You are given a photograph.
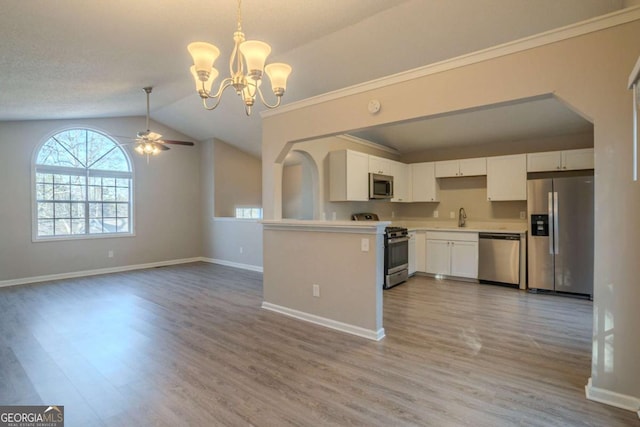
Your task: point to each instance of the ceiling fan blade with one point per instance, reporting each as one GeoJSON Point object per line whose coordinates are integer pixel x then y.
{"type": "Point", "coordinates": [171, 141]}
{"type": "Point", "coordinates": [162, 147]}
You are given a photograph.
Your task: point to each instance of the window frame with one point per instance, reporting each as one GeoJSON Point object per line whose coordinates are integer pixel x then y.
{"type": "Point", "coordinates": [87, 173]}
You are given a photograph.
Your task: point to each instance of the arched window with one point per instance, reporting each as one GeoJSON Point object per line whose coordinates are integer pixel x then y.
{"type": "Point", "coordinates": [83, 186]}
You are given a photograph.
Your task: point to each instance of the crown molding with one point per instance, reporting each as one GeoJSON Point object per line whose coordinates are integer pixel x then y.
{"type": "Point", "coordinates": [552, 36]}
{"type": "Point", "coordinates": [367, 143]}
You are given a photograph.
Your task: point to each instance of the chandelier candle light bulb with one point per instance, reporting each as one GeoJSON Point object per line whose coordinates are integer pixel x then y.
{"type": "Point", "coordinates": [250, 53]}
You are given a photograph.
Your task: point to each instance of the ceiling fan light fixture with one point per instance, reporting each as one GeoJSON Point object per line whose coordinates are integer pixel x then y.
{"type": "Point", "coordinates": [246, 67]}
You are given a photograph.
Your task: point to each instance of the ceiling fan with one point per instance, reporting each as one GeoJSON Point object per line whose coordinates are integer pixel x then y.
{"type": "Point", "coordinates": [151, 143]}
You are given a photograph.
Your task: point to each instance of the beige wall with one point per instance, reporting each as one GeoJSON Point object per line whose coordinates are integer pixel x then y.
{"type": "Point", "coordinates": [350, 280]}
{"type": "Point", "coordinates": [237, 177]}
{"type": "Point", "coordinates": [469, 193]}
{"type": "Point", "coordinates": [560, 142]}
{"type": "Point", "coordinates": [590, 73]}
{"type": "Point", "coordinates": [166, 205]}
{"type": "Point", "coordinates": [227, 240]}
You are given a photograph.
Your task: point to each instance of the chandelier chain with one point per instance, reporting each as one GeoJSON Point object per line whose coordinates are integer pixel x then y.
{"type": "Point", "coordinates": [239, 15]}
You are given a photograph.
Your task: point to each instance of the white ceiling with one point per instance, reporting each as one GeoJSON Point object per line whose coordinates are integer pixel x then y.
{"type": "Point", "coordinates": [79, 59]}
{"type": "Point", "coordinates": [532, 118]}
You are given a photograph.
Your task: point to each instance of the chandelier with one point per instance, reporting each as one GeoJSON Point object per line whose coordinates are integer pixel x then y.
{"type": "Point", "coordinates": [246, 67]}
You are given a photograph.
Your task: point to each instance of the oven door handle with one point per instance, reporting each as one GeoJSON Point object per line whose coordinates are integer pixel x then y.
{"type": "Point", "coordinates": [395, 240]}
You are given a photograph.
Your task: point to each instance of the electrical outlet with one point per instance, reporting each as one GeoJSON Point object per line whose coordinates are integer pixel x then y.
{"type": "Point", "coordinates": [241, 250]}
{"type": "Point", "coordinates": [393, 214]}
{"type": "Point", "coordinates": [364, 245]}
{"type": "Point", "coordinates": [316, 290]}
{"type": "Point", "coordinates": [110, 254]}
{"type": "Point", "coordinates": [523, 215]}
{"type": "Point", "coordinates": [452, 214]}
{"type": "Point", "coordinates": [333, 216]}
{"type": "Point", "coordinates": [435, 214]}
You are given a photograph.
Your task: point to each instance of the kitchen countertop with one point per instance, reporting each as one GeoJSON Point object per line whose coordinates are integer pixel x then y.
{"type": "Point", "coordinates": [474, 227]}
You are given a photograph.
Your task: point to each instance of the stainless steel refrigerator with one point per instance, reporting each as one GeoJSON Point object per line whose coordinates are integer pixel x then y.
{"type": "Point", "coordinates": [560, 244]}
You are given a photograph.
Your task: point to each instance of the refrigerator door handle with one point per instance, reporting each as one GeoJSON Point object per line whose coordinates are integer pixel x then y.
{"type": "Point", "coordinates": [556, 233]}
{"type": "Point", "coordinates": [551, 221]}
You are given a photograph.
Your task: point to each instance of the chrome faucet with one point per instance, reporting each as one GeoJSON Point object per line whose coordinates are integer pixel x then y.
{"type": "Point", "coordinates": [462, 218]}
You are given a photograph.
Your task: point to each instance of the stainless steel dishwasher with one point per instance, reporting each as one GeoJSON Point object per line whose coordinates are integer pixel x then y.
{"type": "Point", "coordinates": [499, 258]}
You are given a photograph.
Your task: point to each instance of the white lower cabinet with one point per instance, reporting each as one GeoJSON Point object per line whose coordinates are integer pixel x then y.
{"type": "Point", "coordinates": [452, 254]}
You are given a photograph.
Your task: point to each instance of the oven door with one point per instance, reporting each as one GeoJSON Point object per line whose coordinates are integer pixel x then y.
{"type": "Point", "coordinates": [396, 255]}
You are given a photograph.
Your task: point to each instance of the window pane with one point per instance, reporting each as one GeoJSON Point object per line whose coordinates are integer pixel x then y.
{"type": "Point", "coordinates": [78, 180]}
{"type": "Point", "coordinates": [111, 182]}
{"type": "Point", "coordinates": [45, 227]}
{"type": "Point", "coordinates": [95, 226]}
{"type": "Point", "coordinates": [95, 193]}
{"type": "Point", "coordinates": [77, 210]}
{"type": "Point", "coordinates": [77, 226]}
{"type": "Point", "coordinates": [123, 210]}
{"type": "Point", "coordinates": [122, 194]}
{"type": "Point", "coordinates": [62, 226]}
{"type": "Point", "coordinates": [61, 179]}
{"type": "Point", "coordinates": [77, 192]}
{"type": "Point", "coordinates": [95, 210]}
{"type": "Point", "coordinates": [109, 225]}
{"type": "Point", "coordinates": [123, 225]}
{"type": "Point", "coordinates": [45, 210]}
{"type": "Point", "coordinates": [122, 182]}
{"type": "Point", "coordinates": [63, 210]}
{"type": "Point", "coordinates": [44, 192]}
{"type": "Point", "coordinates": [61, 192]}
{"type": "Point", "coordinates": [54, 153]}
{"type": "Point", "coordinates": [114, 161]}
{"type": "Point", "coordinates": [44, 177]}
{"type": "Point", "coordinates": [109, 210]}
{"type": "Point", "coordinates": [109, 194]}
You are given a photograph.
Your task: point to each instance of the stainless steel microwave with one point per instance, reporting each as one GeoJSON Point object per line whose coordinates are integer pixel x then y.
{"type": "Point", "coordinates": [380, 186]}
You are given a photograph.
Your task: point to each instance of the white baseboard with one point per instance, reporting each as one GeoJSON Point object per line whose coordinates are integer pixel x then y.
{"type": "Point", "coordinates": [328, 323]}
{"type": "Point", "coordinates": [612, 398]}
{"type": "Point", "coordinates": [84, 273]}
{"type": "Point", "coordinates": [251, 267]}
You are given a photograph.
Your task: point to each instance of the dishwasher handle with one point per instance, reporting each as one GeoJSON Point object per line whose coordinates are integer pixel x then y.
{"type": "Point", "coordinates": [499, 236]}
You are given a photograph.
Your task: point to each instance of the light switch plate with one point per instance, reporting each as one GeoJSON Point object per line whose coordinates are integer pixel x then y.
{"type": "Point", "coordinates": [452, 214]}
{"type": "Point", "coordinates": [364, 245]}
{"type": "Point", "coordinates": [435, 214]}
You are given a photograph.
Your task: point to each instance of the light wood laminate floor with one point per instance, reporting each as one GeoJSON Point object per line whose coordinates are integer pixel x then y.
{"type": "Point", "coordinates": [189, 345]}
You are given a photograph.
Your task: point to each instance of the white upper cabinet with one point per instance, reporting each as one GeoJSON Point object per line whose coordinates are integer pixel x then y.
{"type": "Point", "coordinates": [401, 182]}
{"type": "Point", "coordinates": [348, 176]}
{"type": "Point", "coordinates": [462, 167]}
{"type": "Point", "coordinates": [424, 185]}
{"type": "Point", "coordinates": [380, 165]}
{"type": "Point", "coordinates": [507, 178]}
{"type": "Point", "coordinates": [560, 160]}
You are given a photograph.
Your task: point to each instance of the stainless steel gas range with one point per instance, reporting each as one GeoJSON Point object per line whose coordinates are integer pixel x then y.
{"type": "Point", "coordinates": [396, 251]}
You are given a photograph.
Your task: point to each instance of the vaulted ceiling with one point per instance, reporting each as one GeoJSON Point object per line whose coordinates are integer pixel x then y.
{"type": "Point", "coordinates": [73, 59]}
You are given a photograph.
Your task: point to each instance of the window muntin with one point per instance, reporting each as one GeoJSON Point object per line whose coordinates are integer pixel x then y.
{"type": "Point", "coordinates": [83, 186]}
